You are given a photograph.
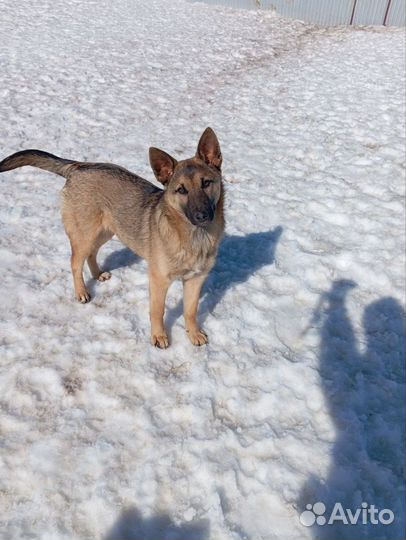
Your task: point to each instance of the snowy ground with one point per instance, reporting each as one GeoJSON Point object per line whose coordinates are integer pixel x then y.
{"type": "Point", "coordinates": [299, 396]}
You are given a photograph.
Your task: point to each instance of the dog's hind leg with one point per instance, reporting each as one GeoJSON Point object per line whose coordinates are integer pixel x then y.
{"type": "Point", "coordinates": [79, 255]}
{"type": "Point", "coordinates": [102, 238]}
{"type": "Point", "coordinates": [83, 230]}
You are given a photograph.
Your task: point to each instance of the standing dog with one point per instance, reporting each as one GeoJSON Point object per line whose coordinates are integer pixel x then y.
{"type": "Point", "coordinates": [177, 229]}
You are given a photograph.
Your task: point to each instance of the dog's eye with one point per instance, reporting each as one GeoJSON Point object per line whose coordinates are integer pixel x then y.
{"type": "Point", "coordinates": [206, 183]}
{"type": "Point", "coordinates": [182, 190]}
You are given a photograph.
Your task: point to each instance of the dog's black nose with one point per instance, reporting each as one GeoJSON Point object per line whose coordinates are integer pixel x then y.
{"type": "Point", "coordinates": [201, 216]}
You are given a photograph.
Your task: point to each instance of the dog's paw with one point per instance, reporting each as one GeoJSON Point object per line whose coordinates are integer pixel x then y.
{"type": "Point", "coordinates": [83, 297]}
{"type": "Point", "coordinates": [160, 341]}
{"type": "Point", "coordinates": [198, 337]}
{"type": "Point", "coordinates": [104, 276]}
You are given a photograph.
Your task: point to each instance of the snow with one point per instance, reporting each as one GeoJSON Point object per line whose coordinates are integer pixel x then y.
{"type": "Point", "coordinates": [299, 396]}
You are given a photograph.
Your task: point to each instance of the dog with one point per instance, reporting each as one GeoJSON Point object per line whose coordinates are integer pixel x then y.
{"type": "Point", "coordinates": [177, 229]}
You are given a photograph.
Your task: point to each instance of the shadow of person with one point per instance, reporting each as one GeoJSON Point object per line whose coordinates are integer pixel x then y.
{"type": "Point", "coordinates": [365, 394]}
{"type": "Point", "coordinates": [239, 258]}
{"type": "Point", "coordinates": [132, 526]}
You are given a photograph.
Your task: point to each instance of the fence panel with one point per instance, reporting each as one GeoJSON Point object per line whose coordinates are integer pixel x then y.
{"type": "Point", "coordinates": [370, 12]}
{"type": "Point", "coordinates": [326, 12]}
{"type": "Point", "coordinates": [396, 13]}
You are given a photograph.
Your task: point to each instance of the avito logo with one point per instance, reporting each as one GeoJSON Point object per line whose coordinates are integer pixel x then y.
{"type": "Point", "coordinates": [315, 513]}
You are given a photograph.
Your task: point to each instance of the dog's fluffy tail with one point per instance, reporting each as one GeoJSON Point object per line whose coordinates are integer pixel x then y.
{"type": "Point", "coordinates": [37, 158]}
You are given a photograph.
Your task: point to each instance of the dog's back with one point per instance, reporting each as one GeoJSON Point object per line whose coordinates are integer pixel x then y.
{"type": "Point", "coordinates": [111, 198]}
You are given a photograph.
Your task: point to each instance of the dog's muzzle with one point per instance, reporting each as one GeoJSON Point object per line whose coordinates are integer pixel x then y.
{"type": "Point", "coordinates": [203, 217]}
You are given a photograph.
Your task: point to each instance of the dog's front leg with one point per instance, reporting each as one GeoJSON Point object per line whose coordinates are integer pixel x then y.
{"type": "Point", "coordinates": [191, 294]}
{"type": "Point", "coordinates": [158, 287]}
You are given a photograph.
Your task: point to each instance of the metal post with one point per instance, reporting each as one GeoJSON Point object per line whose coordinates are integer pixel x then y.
{"type": "Point", "coordinates": [353, 11]}
{"type": "Point", "coordinates": [387, 12]}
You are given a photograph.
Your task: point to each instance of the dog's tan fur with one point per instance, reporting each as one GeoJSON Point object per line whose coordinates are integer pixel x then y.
{"type": "Point", "coordinates": [102, 200]}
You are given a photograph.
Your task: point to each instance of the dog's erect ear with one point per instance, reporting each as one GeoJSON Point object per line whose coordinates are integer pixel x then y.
{"type": "Point", "coordinates": [208, 149]}
{"type": "Point", "coordinates": [162, 164]}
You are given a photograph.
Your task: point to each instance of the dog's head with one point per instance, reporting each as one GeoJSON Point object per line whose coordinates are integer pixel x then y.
{"type": "Point", "coordinates": [192, 186]}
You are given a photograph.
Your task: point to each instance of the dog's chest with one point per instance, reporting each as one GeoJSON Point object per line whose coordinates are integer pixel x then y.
{"type": "Point", "coordinates": [189, 273]}
{"type": "Point", "coordinates": [193, 260]}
